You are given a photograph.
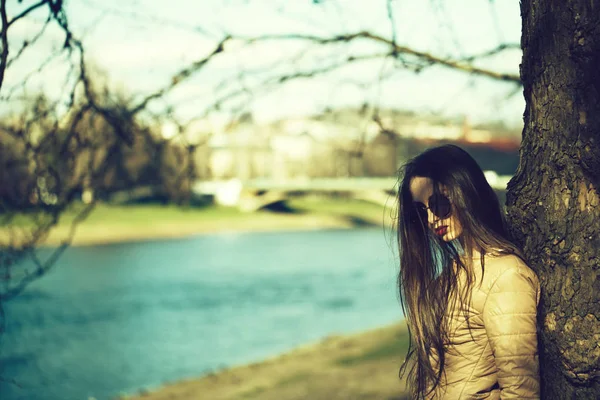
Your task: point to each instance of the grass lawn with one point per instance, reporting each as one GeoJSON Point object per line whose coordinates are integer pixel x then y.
{"type": "Point", "coordinates": [112, 223]}
{"type": "Point", "coordinates": [372, 213]}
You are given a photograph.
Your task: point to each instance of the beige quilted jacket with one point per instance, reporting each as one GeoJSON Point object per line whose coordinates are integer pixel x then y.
{"type": "Point", "coordinates": [500, 359]}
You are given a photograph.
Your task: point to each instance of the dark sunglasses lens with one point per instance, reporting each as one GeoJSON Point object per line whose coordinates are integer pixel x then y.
{"type": "Point", "coordinates": [440, 205]}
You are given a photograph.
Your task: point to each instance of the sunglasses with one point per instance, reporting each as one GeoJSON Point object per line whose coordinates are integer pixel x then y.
{"type": "Point", "coordinates": [439, 205]}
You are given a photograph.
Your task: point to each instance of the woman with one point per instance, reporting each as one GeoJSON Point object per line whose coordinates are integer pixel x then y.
{"type": "Point", "coordinates": [469, 298]}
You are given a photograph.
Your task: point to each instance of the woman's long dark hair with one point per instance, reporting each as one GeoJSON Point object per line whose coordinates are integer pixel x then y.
{"type": "Point", "coordinates": [430, 268]}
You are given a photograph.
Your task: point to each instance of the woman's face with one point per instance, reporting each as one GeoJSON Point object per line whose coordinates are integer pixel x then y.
{"type": "Point", "coordinates": [446, 227]}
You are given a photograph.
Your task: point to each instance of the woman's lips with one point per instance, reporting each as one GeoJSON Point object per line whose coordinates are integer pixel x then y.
{"type": "Point", "coordinates": [441, 231]}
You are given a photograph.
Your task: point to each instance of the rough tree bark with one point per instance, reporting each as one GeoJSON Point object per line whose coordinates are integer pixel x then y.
{"type": "Point", "coordinates": [553, 200]}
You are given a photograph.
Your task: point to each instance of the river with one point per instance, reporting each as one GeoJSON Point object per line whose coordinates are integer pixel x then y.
{"type": "Point", "coordinates": [115, 319]}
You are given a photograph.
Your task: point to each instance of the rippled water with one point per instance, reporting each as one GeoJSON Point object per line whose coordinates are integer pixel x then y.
{"type": "Point", "coordinates": [118, 318]}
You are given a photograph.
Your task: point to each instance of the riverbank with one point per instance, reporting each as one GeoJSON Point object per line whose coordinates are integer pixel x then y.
{"type": "Point", "coordinates": [114, 224]}
{"type": "Point", "coordinates": [363, 366]}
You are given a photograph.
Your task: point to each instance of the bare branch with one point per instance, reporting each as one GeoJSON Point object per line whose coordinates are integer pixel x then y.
{"type": "Point", "coordinates": [48, 148]}
{"type": "Point", "coordinates": [11, 89]}
{"type": "Point", "coordinates": [42, 268]}
{"type": "Point", "coordinates": [390, 14]}
{"type": "Point", "coordinates": [28, 43]}
{"type": "Point", "coordinates": [329, 68]}
{"type": "Point", "coordinates": [182, 75]}
{"type": "Point", "coordinates": [26, 12]}
{"type": "Point", "coordinates": [274, 81]}
{"type": "Point", "coordinates": [146, 17]}
{"type": "Point", "coordinates": [4, 34]}
{"type": "Point", "coordinates": [497, 50]}
{"type": "Point", "coordinates": [427, 58]}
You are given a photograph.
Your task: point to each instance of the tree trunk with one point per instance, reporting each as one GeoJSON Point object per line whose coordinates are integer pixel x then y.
{"type": "Point", "coordinates": [553, 200]}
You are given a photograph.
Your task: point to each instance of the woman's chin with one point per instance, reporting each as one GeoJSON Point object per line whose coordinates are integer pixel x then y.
{"type": "Point", "coordinates": [449, 236]}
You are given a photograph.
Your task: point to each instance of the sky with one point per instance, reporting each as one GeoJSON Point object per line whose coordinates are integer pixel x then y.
{"type": "Point", "coordinates": [138, 46]}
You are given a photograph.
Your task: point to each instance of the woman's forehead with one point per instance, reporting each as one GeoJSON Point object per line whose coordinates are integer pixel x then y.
{"type": "Point", "coordinates": [421, 189]}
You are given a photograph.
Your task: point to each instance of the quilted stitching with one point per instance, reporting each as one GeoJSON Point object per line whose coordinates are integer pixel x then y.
{"type": "Point", "coordinates": [505, 348]}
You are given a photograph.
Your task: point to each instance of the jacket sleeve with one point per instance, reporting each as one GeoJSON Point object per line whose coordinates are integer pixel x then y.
{"type": "Point", "coordinates": [509, 317]}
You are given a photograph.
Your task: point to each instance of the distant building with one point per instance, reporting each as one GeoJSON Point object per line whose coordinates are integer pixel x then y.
{"type": "Point", "coordinates": [342, 142]}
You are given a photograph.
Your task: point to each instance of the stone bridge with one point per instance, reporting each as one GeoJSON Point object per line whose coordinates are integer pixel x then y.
{"type": "Point", "coordinates": [252, 195]}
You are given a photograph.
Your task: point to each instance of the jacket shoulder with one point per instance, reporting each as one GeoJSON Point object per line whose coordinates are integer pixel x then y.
{"type": "Point", "coordinates": [504, 268]}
